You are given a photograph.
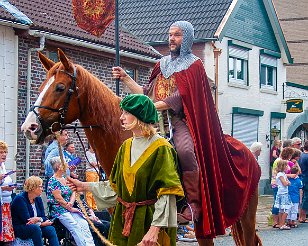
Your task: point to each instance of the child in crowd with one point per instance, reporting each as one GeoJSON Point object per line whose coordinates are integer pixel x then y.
{"type": "Point", "coordinates": [282, 201]}
{"type": "Point", "coordinates": [295, 192]}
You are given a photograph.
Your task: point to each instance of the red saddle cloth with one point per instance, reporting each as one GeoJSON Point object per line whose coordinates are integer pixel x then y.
{"type": "Point", "coordinates": [229, 172]}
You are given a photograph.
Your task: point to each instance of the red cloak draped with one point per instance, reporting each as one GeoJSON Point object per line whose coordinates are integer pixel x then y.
{"type": "Point", "coordinates": [229, 173]}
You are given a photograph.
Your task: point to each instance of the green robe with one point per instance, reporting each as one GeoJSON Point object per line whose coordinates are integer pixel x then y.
{"type": "Point", "coordinates": [153, 174]}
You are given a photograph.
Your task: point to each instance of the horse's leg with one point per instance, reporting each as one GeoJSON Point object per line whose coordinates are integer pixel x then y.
{"type": "Point", "coordinates": [205, 242]}
{"type": "Point", "coordinates": [244, 230]}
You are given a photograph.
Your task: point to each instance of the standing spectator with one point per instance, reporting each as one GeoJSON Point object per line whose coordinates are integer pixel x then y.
{"type": "Point", "coordinates": [92, 168]}
{"type": "Point", "coordinates": [303, 162]}
{"type": "Point", "coordinates": [60, 199]}
{"type": "Point", "coordinates": [69, 154]}
{"type": "Point", "coordinates": [7, 232]}
{"type": "Point", "coordinates": [295, 192]}
{"type": "Point", "coordinates": [296, 143]}
{"type": "Point", "coordinates": [275, 151]}
{"type": "Point", "coordinates": [28, 215]}
{"type": "Point", "coordinates": [255, 149]}
{"type": "Point", "coordinates": [287, 143]}
{"type": "Point", "coordinates": [69, 151]}
{"type": "Point", "coordinates": [282, 201]}
{"type": "Point", "coordinates": [286, 155]}
{"type": "Point", "coordinates": [52, 151]}
{"type": "Point", "coordinates": [295, 158]}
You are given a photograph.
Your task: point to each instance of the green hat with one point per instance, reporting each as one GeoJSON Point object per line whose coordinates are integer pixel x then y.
{"type": "Point", "coordinates": [140, 106]}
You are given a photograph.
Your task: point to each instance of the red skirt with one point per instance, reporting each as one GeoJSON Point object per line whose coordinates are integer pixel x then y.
{"type": "Point", "coordinates": [7, 234]}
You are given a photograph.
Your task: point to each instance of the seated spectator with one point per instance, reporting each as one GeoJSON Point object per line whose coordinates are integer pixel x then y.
{"type": "Point", "coordinates": [60, 199]}
{"type": "Point", "coordinates": [101, 224]}
{"type": "Point", "coordinates": [7, 232]}
{"type": "Point", "coordinates": [28, 216]}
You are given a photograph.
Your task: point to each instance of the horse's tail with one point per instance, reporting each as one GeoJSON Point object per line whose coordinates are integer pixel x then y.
{"type": "Point", "coordinates": [238, 236]}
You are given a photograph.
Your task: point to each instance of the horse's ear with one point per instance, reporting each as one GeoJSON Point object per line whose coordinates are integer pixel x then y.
{"type": "Point", "coordinates": [46, 62]}
{"type": "Point", "coordinates": [64, 60]}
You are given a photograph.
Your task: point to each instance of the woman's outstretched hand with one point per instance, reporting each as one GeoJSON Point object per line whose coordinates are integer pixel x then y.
{"type": "Point", "coordinates": [150, 239]}
{"type": "Point", "coordinates": [76, 185]}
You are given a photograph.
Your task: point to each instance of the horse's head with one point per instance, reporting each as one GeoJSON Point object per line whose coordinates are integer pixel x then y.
{"type": "Point", "coordinates": [57, 103]}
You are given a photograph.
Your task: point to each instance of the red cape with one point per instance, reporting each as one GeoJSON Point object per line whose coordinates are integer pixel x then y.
{"type": "Point", "coordinates": [229, 172]}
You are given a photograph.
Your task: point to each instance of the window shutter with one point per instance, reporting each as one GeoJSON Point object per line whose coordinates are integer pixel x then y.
{"type": "Point", "coordinates": [268, 60]}
{"type": "Point", "coordinates": [237, 52]}
{"type": "Point", "coordinates": [245, 128]}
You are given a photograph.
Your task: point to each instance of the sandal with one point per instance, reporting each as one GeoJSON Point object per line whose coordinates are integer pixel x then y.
{"type": "Point", "coordinates": [276, 226]}
{"type": "Point", "coordinates": [303, 221]}
{"type": "Point", "coordinates": [284, 227]}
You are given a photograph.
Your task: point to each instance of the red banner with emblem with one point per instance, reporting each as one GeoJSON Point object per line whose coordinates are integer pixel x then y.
{"type": "Point", "coordinates": [94, 16]}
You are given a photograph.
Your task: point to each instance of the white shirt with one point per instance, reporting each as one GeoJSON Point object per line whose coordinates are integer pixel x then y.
{"type": "Point", "coordinates": [5, 195]}
{"type": "Point", "coordinates": [281, 188]}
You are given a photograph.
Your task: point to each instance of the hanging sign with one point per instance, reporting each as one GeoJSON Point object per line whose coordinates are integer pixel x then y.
{"type": "Point", "coordinates": [294, 105]}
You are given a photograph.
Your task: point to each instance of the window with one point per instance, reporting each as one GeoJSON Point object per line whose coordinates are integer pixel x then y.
{"type": "Point", "coordinates": [268, 72]}
{"type": "Point", "coordinates": [131, 72]}
{"type": "Point", "coordinates": [238, 65]}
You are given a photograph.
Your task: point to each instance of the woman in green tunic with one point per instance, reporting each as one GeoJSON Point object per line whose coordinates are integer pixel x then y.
{"type": "Point", "coordinates": [143, 184]}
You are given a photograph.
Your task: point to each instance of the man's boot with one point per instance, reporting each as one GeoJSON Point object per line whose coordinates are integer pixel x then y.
{"type": "Point", "coordinates": [191, 212]}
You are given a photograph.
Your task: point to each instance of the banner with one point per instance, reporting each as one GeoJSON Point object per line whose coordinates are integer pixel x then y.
{"type": "Point", "coordinates": [94, 16]}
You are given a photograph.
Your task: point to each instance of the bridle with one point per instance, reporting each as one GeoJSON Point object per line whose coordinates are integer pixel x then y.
{"type": "Point", "coordinates": [63, 110]}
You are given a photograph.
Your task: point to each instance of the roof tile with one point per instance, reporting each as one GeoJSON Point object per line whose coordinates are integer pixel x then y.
{"type": "Point", "coordinates": [56, 16]}
{"type": "Point", "coordinates": [150, 19]}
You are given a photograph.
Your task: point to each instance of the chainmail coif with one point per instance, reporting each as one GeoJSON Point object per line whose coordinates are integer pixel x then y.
{"type": "Point", "coordinates": [168, 66]}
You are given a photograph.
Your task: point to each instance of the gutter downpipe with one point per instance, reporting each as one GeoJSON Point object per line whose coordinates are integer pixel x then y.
{"type": "Point", "coordinates": [29, 80]}
{"type": "Point", "coordinates": [217, 52]}
{"type": "Point", "coordinates": [89, 45]}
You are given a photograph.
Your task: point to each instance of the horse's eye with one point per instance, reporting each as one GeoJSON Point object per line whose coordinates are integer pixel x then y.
{"type": "Point", "coordinates": [60, 87]}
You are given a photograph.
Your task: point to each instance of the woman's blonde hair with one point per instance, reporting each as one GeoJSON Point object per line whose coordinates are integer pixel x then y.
{"type": "Point", "coordinates": [3, 146]}
{"type": "Point", "coordinates": [281, 165]}
{"type": "Point", "coordinates": [147, 129]}
{"type": "Point", "coordinates": [32, 183]}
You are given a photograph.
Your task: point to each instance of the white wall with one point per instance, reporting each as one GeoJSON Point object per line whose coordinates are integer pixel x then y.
{"type": "Point", "coordinates": [247, 97]}
{"type": "Point", "coordinates": [8, 91]}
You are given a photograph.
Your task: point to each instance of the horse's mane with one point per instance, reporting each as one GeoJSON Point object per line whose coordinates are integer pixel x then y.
{"type": "Point", "coordinates": [102, 102]}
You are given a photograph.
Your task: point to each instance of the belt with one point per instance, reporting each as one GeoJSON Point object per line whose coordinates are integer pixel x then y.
{"type": "Point", "coordinates": [129, 212]}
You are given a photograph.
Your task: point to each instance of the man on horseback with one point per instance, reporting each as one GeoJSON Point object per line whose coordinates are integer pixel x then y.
{"type": "Point", "coordinates": [180, 90]}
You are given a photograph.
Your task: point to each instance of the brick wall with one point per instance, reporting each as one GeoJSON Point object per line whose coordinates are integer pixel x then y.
{"type": "Point", "coordinates": [95, 62]}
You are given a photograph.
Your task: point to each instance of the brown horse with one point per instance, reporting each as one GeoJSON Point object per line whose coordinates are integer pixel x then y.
{"type": "Point", "coordinates": [69, 93]}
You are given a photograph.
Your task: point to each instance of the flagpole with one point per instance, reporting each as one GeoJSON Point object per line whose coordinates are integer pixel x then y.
{"type": "Point", "coordinates": [117, 45]}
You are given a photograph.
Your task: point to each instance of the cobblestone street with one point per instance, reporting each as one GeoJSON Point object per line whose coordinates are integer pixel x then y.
{"type": "Point", "coordinates": [264, 209]}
